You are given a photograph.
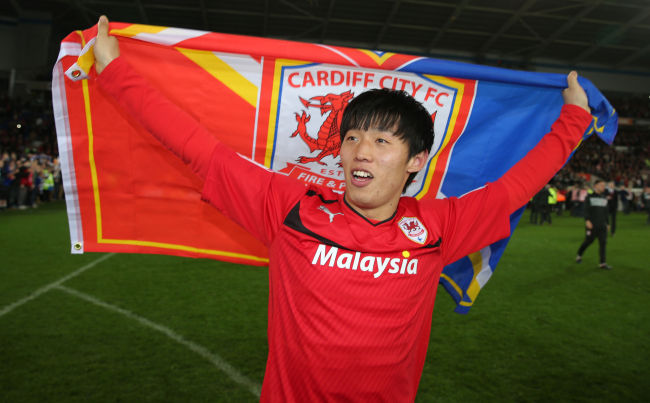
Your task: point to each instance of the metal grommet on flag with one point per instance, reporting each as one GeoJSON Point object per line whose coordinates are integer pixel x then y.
{"type": "Point", "coordinates": [81, 68]}
{"type": "Point", "coordinates": [76, 73]}
{"type": "Point", "coordinates": [77, 248]}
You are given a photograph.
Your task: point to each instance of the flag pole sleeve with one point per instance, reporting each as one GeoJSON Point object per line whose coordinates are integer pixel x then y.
{"type": "Point", "coordinates": [541, 163]}
{"type": "Point", "coordinates": [172, 126]}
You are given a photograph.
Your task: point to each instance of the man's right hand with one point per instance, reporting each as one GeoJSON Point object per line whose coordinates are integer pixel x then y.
{"type": "Point", "coordinates": [588, 224]}
{"type": "Point", "coordinates": [106, 48]}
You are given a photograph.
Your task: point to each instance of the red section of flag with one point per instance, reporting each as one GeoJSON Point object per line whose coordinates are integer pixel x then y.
{"type": "Point", "coordinates": [145, 199]}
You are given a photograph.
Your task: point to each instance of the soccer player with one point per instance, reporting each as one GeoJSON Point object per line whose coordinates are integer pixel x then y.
{"type": "Point", "coordinates": [596, 223]}
{"type": "Point", "coordinates": [352, 276]}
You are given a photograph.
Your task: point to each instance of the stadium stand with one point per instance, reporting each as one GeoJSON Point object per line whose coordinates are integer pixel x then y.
{"type": "Point", "coordinates": [626, 162]}
{"type": "Point", "coordinates": [29, 170]}
{"type": "Point", "coordinates": [30, 173]}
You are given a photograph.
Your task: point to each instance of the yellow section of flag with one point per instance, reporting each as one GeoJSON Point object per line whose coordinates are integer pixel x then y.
{"type": "Point", "coordinates": [134, 29]}
{"type": "Point", "coordinates": [378, 59]}
{"type": "Point", "coordinates": [224, 73]}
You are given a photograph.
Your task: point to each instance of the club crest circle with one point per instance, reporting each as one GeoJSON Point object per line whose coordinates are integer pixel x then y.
{"type": "Point", "coordinates": [413, 229]}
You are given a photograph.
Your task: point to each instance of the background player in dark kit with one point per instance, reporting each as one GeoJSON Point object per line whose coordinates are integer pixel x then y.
{"type": "Point", "coordinates": [352, 277]}
{"type": "Point", "coordinates": [596, 222]}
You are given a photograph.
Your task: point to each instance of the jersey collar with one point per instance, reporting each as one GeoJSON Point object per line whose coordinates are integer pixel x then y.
{"type": "Point", "coordinates": [369, 221]}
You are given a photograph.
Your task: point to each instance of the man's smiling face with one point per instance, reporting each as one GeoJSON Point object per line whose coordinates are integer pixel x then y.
{"type": "Point", "coordinates": [376, 164]}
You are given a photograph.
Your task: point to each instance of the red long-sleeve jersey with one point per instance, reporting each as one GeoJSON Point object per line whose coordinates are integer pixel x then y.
{"type": "Point", "coordinates": [350, 300]}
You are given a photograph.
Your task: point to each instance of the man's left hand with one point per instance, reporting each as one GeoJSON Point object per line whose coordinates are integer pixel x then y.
{"type": "Point", "coordinates": [574, 94]}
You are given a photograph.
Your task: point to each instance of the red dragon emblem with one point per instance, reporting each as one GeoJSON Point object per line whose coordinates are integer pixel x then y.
{"type": "Point", "coordinates": [411, 226]}
{"type": "Point", "coordinates": [413, 229]}
{"type": "Point", "coordinates": [328, 140]}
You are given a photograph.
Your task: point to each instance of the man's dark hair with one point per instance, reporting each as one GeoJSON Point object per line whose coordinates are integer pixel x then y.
{"type": "Point", "coordinates": [395, 111]}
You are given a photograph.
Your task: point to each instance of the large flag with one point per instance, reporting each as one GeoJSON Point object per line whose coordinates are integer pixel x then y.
{"type": "Point", "coordinates": [279, 103]}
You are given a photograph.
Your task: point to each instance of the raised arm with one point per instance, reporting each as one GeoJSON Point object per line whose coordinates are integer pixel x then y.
{"type": "Point", "coordinates": [481, 217]}
{"type": "Point", "coordinates": [533, 171]}
{"type": "Point", "coordinates": [172, 126]}
{"type": "Point", "coordinates": [247, 193]}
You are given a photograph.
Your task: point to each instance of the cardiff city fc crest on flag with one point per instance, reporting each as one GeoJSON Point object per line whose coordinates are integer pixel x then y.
{"type": "Point", "coordinates": [308, 107]}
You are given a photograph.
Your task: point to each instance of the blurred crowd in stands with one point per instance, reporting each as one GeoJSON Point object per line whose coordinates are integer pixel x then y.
{"type": "Point", "coordinates": [630, 106]}
{"type": "Point", "coordinates": [624, 166]}
{"type": "Point", "coordinates": [30, 172]}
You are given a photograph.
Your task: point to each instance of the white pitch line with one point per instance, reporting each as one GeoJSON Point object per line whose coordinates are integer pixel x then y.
{"type": "Point", "coordinates": [215, 359]}
{"type": "Point", "coordinates": [48, 287]}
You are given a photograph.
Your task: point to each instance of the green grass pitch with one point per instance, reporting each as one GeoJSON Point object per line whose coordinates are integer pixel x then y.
{"type": "Point", "coordinates": [158, 328]}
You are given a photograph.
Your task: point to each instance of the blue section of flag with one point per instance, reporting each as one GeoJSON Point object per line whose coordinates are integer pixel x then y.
{"type": "Point", "coordinates": [600, 107]}
{"type": "Point", "coordinates": [459, 275]}
{"type": "Point", "coordinates": [512, 111]}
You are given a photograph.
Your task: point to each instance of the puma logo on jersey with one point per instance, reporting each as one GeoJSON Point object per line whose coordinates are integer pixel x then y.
{"type": "Point", "coordinates": [363, 262]}
{"type": "Point", "coordinates": [328, 212]}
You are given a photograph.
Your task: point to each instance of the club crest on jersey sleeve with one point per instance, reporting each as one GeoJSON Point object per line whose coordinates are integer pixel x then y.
{"type": "Point", "coordinates": [413, 229]}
